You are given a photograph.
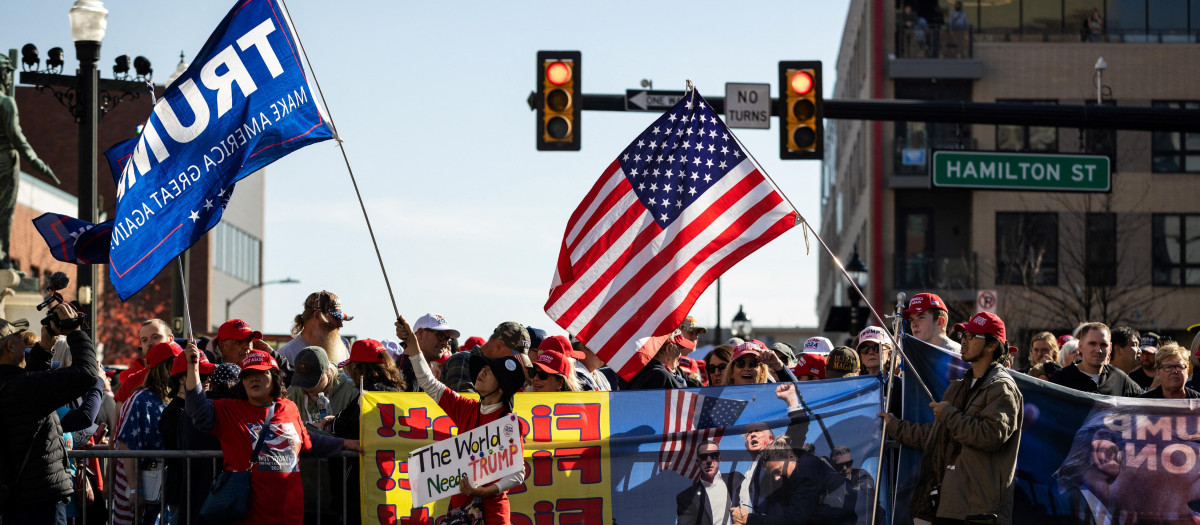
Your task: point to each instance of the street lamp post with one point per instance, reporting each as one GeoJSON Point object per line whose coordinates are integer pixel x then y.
{"type": "Point", "coordinates": [229, 302]}
{"type": "Point", "coordinates": [741, 325]}
{"type": "Point", "coordinates": [89, 20]}
{"type": "Point", "coordinates": [858, 273]}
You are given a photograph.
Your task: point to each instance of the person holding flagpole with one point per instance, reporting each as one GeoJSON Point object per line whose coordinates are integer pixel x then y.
{"type": "Point", "coordinates": [970, 449]}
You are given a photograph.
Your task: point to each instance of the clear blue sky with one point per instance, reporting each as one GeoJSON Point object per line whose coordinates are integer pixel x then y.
{"type": "Point", "coordinates": [430, 98]}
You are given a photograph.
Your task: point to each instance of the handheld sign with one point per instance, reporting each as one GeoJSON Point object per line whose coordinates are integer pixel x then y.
{"type": "Point", "coordinates": [484, 454]}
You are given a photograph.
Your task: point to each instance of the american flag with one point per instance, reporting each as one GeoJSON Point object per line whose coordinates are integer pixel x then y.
{"type": "Point", "coordinates": [690, 420]}
{"type": "Point", "coordinates": [679, 206]}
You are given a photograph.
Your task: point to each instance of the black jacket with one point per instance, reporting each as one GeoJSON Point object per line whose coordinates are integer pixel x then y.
{"type": "Point", "coordinates": [1157, 393]}
{"type": "Point", "coordinates": [1113, 382]}
{"type": "Point", "coordinates": [28, 401]}
{"type": "Point", "coordinates": [691, 505]}
{"type": "Point", "coordinates": [655, 375]}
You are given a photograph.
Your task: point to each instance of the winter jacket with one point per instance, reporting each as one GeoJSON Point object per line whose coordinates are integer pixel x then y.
{"type": "Point", "coordinates": [970, 454]}
{"type": "Point", "coordinates": [28, 401]}
{"type": "Point", "coordinates": [1113, 382]}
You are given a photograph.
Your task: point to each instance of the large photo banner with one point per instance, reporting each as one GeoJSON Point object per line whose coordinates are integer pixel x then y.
{"type": "Point", "coordinates": [1084, 458]}
{"type": "Point", "coordinates": [652, 456]}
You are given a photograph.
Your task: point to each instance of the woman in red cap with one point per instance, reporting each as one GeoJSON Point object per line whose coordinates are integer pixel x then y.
{"type": "Point", "coordinates": [139, 431]}
{"type": "Point", "coordinates": [276, 493]}
{"type": "Point", "coordinates": [553, 371]}
{"type": "Point", "coordinates": [497, 380]}
{"type": "Point", "coordinates": [746, 366]}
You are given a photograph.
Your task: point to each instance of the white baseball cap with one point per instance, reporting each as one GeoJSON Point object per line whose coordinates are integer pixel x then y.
{"type": "Point", "coordinates": [818, 345]}
{"type": "Point", "coordinates": [432, 321]}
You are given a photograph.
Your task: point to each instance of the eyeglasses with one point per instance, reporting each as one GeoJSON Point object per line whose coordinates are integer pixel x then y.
{"type": "Point", "coordinates": [967, 336]}
{"type": "Point", "coordinates": [706, 456]}
{"type": "Point", "coordinates": [869, 348]}
{"type": "Point", "coordinates": [1171, 368]}
{"type": "Point", "coordinates": [742, 363]}
{"type": "Point", "coordinates": [712, 369]}
{"type": "Point", "coordinates": [843, 465]}
{"type": "Point", "coordinates": [442, 337]}
{"type": "Point", "coordinates": [542, 375]}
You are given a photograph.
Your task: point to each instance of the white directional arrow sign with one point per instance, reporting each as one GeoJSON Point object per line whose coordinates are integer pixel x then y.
{"type": "Point", "coordinates": [647, 100]}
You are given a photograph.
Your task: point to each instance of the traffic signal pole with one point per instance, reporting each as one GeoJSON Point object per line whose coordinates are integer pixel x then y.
{"type": "Point", "coordinates": [956, 112]}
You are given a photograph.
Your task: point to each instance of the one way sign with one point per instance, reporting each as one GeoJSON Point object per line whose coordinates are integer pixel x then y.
{"type": "Point", "coordinates": [647, 100]}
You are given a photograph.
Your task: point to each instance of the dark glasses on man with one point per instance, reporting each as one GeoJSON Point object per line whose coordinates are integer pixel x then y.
{"type": "Point", "coordinates": [706, 456]}
{"type": "Point", "coordinates": [843, 465]}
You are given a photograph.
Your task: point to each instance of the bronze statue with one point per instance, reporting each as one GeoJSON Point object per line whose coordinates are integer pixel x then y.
{"type": "Point", "coordinates": [12, 144]}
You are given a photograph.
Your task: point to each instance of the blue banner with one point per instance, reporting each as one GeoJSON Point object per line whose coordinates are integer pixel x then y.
{"type": "Point", "coordinates": [242, 104]}
{"type": "Point", "coordinates": [1084, 458]}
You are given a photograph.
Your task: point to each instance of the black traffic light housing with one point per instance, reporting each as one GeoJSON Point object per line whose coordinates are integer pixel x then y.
{"type": "Point", "coordinates": [558, 100]}
{"type": "Point", "coordinates": [801, 130]}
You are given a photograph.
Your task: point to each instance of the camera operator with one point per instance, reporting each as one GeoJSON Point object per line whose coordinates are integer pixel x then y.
{"type": "Point", "coordinates": [35, 483]}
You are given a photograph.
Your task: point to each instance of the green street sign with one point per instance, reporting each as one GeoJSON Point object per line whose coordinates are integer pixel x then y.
{"type": "Point", "coordinates": [990, 170]}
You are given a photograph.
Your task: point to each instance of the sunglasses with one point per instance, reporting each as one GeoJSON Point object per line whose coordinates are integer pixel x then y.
{"type": "Point", "coordinates": [870, 348]}
{"type": "Point", "coordinates": [706, 456]}
{"type": "Point", "coordinates": [843, 465]}
{"type": "Point", "coordinates": [742, 363]}
{"type": "Point", "coordinates": [542, 375]}
{"type": "Point", "coordinates": [712, 369]}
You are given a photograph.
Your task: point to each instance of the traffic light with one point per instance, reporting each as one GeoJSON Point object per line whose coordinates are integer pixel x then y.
{"type": "Point", "coordinates": [802, 132]}
{"type": "Point", "coordinates": [558, 100]}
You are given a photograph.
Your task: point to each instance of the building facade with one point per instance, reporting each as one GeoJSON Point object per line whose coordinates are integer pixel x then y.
{"type": "Point", "coordinates": [1130, 256]}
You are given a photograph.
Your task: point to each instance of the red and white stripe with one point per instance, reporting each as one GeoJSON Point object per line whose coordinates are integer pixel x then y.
{"type": "Point", "coordinates": [621, 279]}
{"type": "Point", "coordinates": [122, 508]}
{"type": "Point", "coordinates": [680, 437]}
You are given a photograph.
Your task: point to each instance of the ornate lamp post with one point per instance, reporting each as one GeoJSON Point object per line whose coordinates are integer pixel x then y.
{"type": "Point", "coordinates": [858, 273]}
{"type": "Point", "coordinates": [87, 97]}
{"type": "Point", "coordinates": [741, 326]}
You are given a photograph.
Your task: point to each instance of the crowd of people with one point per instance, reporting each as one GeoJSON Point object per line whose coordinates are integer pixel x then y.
{"type": "Point", "coordinates": [231, 391]}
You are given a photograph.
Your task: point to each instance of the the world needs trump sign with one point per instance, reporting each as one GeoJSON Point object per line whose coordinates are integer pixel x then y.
{"type": "Point", "coordinates": [1021, 171]}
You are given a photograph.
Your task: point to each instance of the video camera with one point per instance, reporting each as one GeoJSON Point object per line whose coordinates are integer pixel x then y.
{"type": "Point", "coordinates": [55, 284]}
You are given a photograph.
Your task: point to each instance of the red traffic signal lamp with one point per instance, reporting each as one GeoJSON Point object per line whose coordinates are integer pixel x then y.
{"type": "Point", "coordinates": [558, 100]}
{"type": "Point", "coordinates": [802, 130]}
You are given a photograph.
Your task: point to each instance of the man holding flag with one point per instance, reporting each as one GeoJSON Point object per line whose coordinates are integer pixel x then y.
{"type": "Point", "coordinates": [679, 206]}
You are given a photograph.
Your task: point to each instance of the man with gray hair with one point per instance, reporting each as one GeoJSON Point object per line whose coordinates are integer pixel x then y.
{"type": "Point", "coordinates": [13, 146]}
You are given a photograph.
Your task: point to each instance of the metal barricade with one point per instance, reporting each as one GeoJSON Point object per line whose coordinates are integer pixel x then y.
{"type": "Point", "coordinates": [108, 458]}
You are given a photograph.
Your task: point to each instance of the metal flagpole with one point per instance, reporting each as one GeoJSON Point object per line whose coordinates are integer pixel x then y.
{"type": "Point", "coordinates": [897, 324]}
{"type": "Point", "coordinates": [187, 315]}
{"type": "Point", "coordinates": [342, 147]}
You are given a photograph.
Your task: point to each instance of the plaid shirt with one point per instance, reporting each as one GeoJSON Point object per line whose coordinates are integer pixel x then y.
{"type": "Point", "coordinates": [456, 373]}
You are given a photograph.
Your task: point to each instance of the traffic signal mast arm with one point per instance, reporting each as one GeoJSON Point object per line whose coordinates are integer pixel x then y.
{"type": "Point", "coordinates": [956, 112]}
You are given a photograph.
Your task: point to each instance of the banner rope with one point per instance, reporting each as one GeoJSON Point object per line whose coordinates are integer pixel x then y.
{"type": "Point", "coordinates": [337, 137]}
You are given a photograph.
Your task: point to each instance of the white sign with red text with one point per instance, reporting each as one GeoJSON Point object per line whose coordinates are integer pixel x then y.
{"type": "Point", "coordinates": [483, 454]}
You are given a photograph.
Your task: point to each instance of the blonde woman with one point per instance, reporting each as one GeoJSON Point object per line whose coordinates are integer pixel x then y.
{"type": "Point", "coordinates": [746, 366]}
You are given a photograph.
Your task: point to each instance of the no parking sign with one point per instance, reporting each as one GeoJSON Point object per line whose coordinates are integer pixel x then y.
{"type": "Point", "coordinates": [985, 301]}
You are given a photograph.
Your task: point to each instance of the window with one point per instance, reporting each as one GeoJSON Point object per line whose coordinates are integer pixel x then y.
{"type": "Point", "coordinates": [1101, 249]}
{"type": "Point", "coordinates": [237, 253]}
{"type": "Point", "coordinates": [1176, 152]}
{"type": "Point", "coordinates": [1176, 249]}
{"type": "Point", "coordinates": [1027, 138]}
{"type": "Point", "coordinates": [1027, 248]}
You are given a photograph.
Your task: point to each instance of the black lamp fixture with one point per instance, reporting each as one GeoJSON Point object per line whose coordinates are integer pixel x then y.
{"type": "Point", "coordinates": [741, 325]}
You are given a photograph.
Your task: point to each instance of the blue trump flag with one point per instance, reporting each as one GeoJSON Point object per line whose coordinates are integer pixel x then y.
{"type": "Point", "coordinates": [74, 240]}
{"type": "Point", "coordinates": [242, 104]}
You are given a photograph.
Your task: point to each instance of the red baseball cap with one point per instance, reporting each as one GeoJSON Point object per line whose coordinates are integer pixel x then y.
{"type": "Point", "coordinates": [753, 346]}
{"type": "Point", "coordinates": [689, 364]}
{"type": "Point", "coordinates": [983, 323]}
{"type": "Point", "coordinates": [1064, 339]}
{"type": "Point", "coordinates": [162, 352]}
{"type": "Point", "coordinates": [680, 340]}
{"type": "Point", "coordinates": [258, 360]}
{"type": "Point", "coordinates": [180, 365]}
{"type": "Point", "coordinates": [236, 330]}
{"type": "Point", "coordinates": [811, 365]}
{"type": "Point", "coordinates": [470, 343]}
{"type": "Point", "coordinates": [560, 344]}
{"type": "Point", "coordinates": [552, 361]}
{"type": "Point", "coordinates": [924, 301]}
{"type": "Point", "coordinates": [365, 351]}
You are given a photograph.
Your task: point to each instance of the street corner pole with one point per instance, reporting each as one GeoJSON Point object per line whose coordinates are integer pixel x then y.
{"type": "Point", "coordinates": [87, 114]}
